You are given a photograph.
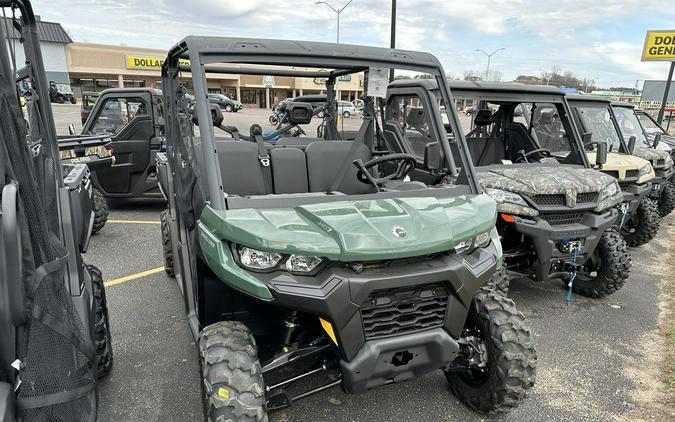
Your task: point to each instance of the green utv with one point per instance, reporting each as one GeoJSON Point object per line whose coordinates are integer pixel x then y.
{"type": "Point", "coordinates": [317, 262]}
{"type": "Point", "coordinates": [556, 214]}
{"type": "Point", "coordinates": [663, 189]}
{"type": "Point", "coordinates": [639, 218]}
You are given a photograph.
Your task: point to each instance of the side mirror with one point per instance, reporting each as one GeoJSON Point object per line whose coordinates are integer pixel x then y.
{"type": "Point", "coordinates": [299, 113]}
{"type": "Point", "coordinates": [216, 116]}
{"type": "Point", "coordinates": [71, 129]}
{"type": "Point", "coordinates": [586, 138]}
{"type": "Point", "coordinates": [601, 154]}
{"type": "Point", "coordinates": [631, 144]}
{"type": "Point", "coordinates": [657, 140]}
{"type": "Point", "coordinates": [432, 156]}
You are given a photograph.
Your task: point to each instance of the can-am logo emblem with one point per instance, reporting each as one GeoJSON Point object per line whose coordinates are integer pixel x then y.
{"type": "Point", "coordinates": [399, 232]}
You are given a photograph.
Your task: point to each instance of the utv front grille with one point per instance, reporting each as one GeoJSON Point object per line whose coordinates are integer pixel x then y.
{"type": "Point", "coordinates": [559, 200]}
{"type": "Point", "coordinates": [563, 218]}
{"type": "Point", "coordinates": [632, 174]}
{"type": "Point", "coordinates": [405, 310]}
{"type": "Point", "coordinates": [661, 162]}
{"type": "Point", "coordinates": [626, 184]}
{"type": "Point", "coordinates": [613, 173]}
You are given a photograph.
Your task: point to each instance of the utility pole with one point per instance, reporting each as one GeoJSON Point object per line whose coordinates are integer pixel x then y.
{"type": "Point", "coordinates": [392, 44]}
{"type": "Point", "coordinates": [489, 56]}
{"type": "Point", "coordinates": [337, 12]}
{"type": "Point", "coordinates": [662, 110]}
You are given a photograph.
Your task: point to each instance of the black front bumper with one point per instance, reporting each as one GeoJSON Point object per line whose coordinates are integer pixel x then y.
{"type": "Point", "coordinates": [389, 360]}
{"type": "Point", "coordinates": [551, 260]}
{"type": "Point", "coordinates": [632, 197]}
{"type": "Point", "coordinates": [658, 183]}
{"type": "Point", "coordinates": [342, 296]}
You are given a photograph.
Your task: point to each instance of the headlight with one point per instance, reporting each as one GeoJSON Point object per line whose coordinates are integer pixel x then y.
{"type": "Point", "coordinates": [646, 169]}
{"type": "Point", "coordinates": [302, 263]}
{"type": "Point", "coordinates": [254, 259]}
{"type": "Point", "coordinates": [504, 196]}
{"type": "Point", "coordinates": [480, 241]}
{"type": "Point", "coordinates": [611, 190]}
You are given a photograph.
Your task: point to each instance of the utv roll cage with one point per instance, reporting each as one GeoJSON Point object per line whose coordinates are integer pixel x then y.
{"type": "Point", "coordinates": [218, 54]}
{"type": "Point", "coordinates": [511, 92]}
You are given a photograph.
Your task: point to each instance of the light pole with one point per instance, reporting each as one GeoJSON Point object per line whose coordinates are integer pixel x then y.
{"type": "Point", "coordinates": [337, 12]}
{"type": "Point", "coordinates": [489, 56]}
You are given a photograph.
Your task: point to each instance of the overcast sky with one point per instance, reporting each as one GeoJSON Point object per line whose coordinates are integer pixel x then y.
{"type": "Point", "coordinates": [598, 39]}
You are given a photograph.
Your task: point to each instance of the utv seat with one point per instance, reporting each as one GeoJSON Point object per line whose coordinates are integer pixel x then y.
{"type": "Point", "coordinates": [296, 141]}
{"type": "Point", "coordinates": [240, 169]}
{"type": "Point", "coordinates": [517, 138]}
{"type": "Point", "coordinates": [292, 170]}
{"type": "Point", "coordinates": [324, 160]}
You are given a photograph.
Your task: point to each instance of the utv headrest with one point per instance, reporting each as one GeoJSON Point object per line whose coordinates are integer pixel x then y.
{"type": "Point", "coordinates": [547, 117]}
{"type": "Point", "coordinates": [483, 117]}
{"type": "Point", "coordinates": [415, 117]}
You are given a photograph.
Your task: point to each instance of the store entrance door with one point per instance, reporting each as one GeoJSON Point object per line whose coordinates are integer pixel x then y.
{"type": "Point", "coordinates": [262, 101]}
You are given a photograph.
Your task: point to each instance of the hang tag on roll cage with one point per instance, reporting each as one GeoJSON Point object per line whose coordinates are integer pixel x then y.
{"type": "Point", "coordinates": [378, 80]}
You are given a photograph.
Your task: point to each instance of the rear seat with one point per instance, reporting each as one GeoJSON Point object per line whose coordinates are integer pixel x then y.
{"type": "Point", "coordinates": [292, 170]}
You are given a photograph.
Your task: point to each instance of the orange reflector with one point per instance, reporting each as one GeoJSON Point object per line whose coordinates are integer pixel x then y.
{"type": "Point", "coordinates": [328, 327]}
{"type": "Point", "coordinates": [507, 218]}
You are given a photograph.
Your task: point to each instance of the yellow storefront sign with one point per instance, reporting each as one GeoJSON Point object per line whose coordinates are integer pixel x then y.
{"type": "Point", "coordinates": [659, 46]}
{"type": "Point", "coordinates": [136, 62]}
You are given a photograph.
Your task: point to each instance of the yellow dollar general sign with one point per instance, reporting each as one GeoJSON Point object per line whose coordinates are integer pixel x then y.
{"type": "Point", "coordinates": [135, 62]}
{"type": "Point", "coordinates": [659, 45]}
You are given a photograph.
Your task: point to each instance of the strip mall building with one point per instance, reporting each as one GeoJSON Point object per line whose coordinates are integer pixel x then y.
{"type": "Point", "coordinates": [95, 67]}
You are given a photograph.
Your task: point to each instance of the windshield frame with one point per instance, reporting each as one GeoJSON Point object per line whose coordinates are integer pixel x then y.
{"type": "Point", "coordinates": [294, 56]}
{"type": "Point", "coordinates": [576, 105]}
{"type": "Point", "coordinates": [639, 143]}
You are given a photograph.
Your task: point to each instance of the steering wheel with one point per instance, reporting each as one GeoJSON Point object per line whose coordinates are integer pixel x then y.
{"type": "Point", "coordinates": [524, 155]}
{"type": "Point", "coordinates": [406, 164]}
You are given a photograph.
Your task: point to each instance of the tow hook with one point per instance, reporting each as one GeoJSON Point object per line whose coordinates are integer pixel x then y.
{"type": "Point", "coordinates": [574, 247]}
{"type": "Point", "coordinates": [624, 213]}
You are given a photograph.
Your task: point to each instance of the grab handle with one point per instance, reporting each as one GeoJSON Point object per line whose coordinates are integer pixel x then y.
{"type": "Point", "coordinates": [11, 281]}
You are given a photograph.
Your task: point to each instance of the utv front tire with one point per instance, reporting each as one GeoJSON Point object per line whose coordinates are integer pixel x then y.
{"type": "Point", "coordinates": [100, 211]}
{"type": "Point", "coordinates": [611, 263]}
{"type": "Point", "coordinates": [233, 386]}
{"type": "Point", "coordinates": [103, 338]}
{"type": "Point", "coordinates": [499, 281]}
{"type": "Point", "coordinates": [666, 202]}
{"type": "Point", "coordinates": [166, 243]}
{"type": "Point", "coordinates": [642, 228]}
{"type": "Point", "coordinates": [511, 359]}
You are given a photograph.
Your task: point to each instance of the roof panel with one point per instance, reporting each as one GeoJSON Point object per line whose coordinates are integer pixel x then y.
{"type": "Point", "coordinates": [47, 31]}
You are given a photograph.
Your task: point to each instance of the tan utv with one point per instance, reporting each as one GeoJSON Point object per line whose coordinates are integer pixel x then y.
{"type": "Point", "coordinates": [639, 218]}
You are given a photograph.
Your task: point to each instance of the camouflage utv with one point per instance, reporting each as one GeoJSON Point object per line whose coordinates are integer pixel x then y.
{"type": "Point", "coordinates": [663, 189]}
{"type": "Point", "coordinates": [556, 214]}
{"type": "Point", "coordinates": [639, 218]}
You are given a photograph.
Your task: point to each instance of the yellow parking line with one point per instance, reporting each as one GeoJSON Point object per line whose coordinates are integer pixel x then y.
{"type": "Point", "coordinates": [133, 222]}
{"type": "Point", "coordinates": [133, 276]}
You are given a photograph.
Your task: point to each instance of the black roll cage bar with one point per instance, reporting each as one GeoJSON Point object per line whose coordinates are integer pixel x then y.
{"type": "Point", "coordinates": [343, 58]}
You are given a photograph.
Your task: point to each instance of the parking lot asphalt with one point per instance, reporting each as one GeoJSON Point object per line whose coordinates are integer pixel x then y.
{"type": "Point", "coordinates": [598, 359]}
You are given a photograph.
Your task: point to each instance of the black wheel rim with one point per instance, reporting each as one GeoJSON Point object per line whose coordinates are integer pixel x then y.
{"type": "Point", "coordinates": [591, 268]}
{"type": "Point", "coordinates": [476, 375]}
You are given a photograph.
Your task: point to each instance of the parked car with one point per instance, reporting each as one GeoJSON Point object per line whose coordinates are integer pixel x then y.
{"type": "Point", "coordinates": [88, 101]}
{"type": "Point", "coordinates": [225, 102]}
{"type": "Point", "coordinates": [60, 93]}
{"type": "Point", "coordinates": [347, 109]}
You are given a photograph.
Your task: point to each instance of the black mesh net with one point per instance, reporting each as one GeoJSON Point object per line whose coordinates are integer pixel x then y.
{"type": "Point", "coordinates": [57, 356]}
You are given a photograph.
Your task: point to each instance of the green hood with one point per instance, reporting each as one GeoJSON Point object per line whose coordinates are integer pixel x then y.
{"type": "Point", "coordinates": [356, 230]}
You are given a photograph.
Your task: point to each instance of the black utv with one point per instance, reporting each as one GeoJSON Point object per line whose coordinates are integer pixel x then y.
{"type": "Point", "coordinates": [317, 262]}
{"type": "Point", "coordinates": [556, 213]}
{"type": "Point", "coordinates": [54, 331]}
{"type": "Point", "coordinates": [639, 218]}
{"type": "Point", "coordinates": [133, 120]}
